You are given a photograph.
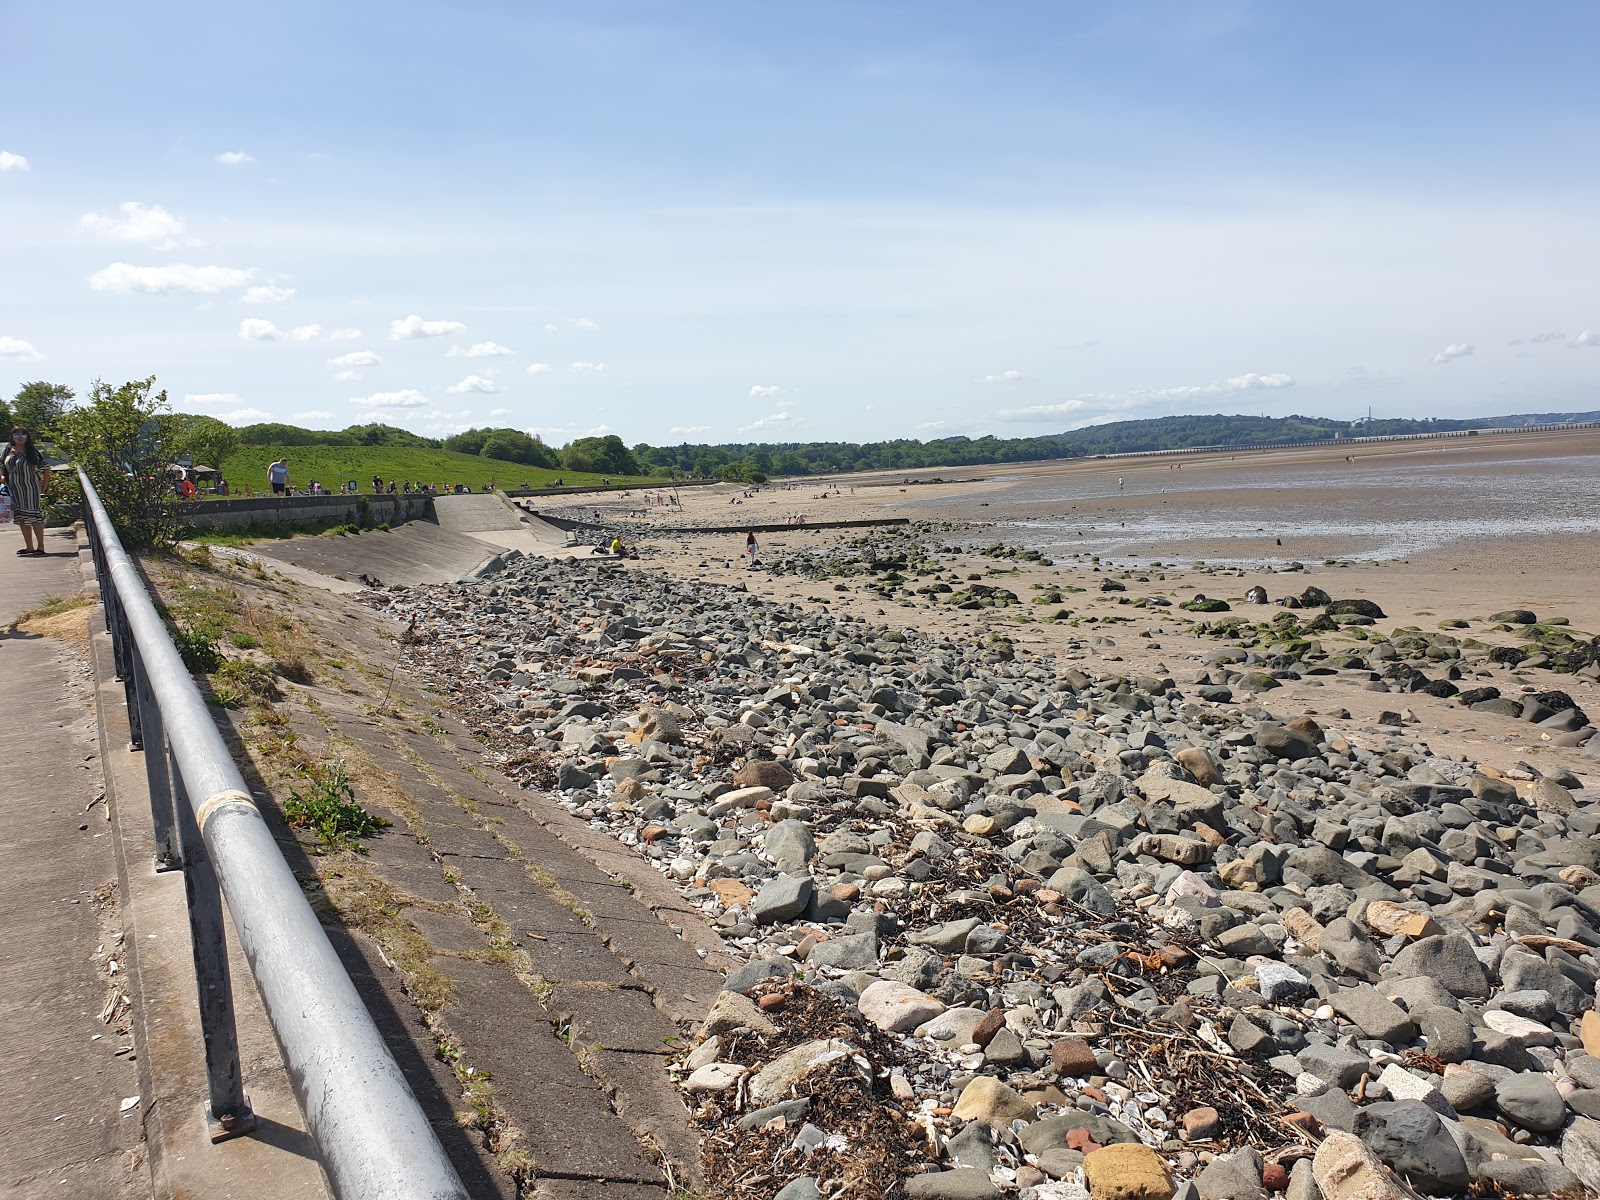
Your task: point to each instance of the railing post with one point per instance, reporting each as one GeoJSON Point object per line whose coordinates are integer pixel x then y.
{"type": "Point", "coordinates": [158, 771]}
{"type": "Point", "coordinates": [228, 1113]}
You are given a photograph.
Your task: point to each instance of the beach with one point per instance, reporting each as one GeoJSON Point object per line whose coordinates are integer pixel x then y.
{"type": "Point", "coordinates": [1477, 572]}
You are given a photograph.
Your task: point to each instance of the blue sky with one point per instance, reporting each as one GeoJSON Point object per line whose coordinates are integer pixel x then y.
{"type": "Point", "coordinates": [729, 222]}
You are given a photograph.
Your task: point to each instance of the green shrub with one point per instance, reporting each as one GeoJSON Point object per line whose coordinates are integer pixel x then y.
{"type": "Point", "coordinates": [198, 650]}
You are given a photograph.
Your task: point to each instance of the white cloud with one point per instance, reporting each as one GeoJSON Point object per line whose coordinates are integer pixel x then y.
{"type": "Point", "coordinates": [1587, 338]}
{"type": "Point", "coordinates": [1004, 377]}
{"type": "Point", "coordinates": [778, 420]}
{"type": "Point", "coordinates": [305, 333]}
{"type": "Point", "coordinates": [588, 368]}
{"type": "Point", "coordinates": [933, 425]}
{"type": "Point", "coordinates": [346, 376]}
{"type": "Point", "coordinates": [479, 350]}
{"type": "Point", "coordinates": [415, 327]}
{"type": "Point", "coordinates": [153, 226]}
{"type": "Point", "coordinates": [584, 325]}
{"type": "Point", "coordinates": [1037, 412]}
{"type": "Point", "coordinates": [12, 162]}
{"type": "Point", "coordinates": [177, 277]}
{"type": "Point", "coordinates": [472, 383]}
{"type": "Point", "coordinates": [344, 335]}
{"type": "Point", "coordinates": [1453, 350]}
{"type": "Point", "coordinates": [209, 399]}
{"type": "Point", "coordinates": [552, 328]}
{"type": "Point", "coordinates": [314, 415]}
{"type": "Point", "coordinates": [267, 294]}
{"type": "Point", "coordinates": [356, 358]}
{"type": "Point", "coordinates": [499, 412]}
{"type": "Point", "coordinates": [11, 347]}
{"type": "Point", "coordinates": [245, 416]}
{"type": "Point", "coordinates": [1538, 338]}
{"type": "Point", "coordinates": [690, 429]}
{"type": "Point", "coordinates": [762, 391]}
{"type": "Point", "coordinates": [539, 368]}
{"type": "Point", "coordinates": [1249, 382]}
{"type": "Point", "coordinates": [234, 158]}
{"type": "Point", "coordinates": [254, 329]}
{"type": "Point", "coordinates": [405, 398]}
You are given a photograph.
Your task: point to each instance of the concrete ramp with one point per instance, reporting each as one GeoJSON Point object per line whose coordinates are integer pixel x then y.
{"type": "Point", "coordinates": [417, 552]}
{"type": "Point", "coordinates": [478, 512]}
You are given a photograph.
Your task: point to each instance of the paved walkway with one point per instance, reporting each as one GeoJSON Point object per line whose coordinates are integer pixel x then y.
{"type": "Point", "coordinates": [66, 1072]}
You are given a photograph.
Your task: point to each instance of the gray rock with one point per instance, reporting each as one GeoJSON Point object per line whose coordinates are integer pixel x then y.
{"type": "Point", "coordinates": [1527, 1177]}
{"type": "Point", "coordinates": [1235, 1176]}
{"type": "Point", "coordinates": [1532, 1101]}
{"type": "Point", "coordinates": [973, 1147]}
{"type": "Point", "coordinates": [1580, 1151]}
{"type": "Point", "coordinates": [1349, 947]}
{"type": "Point", "coordinates": [961, 1184]}
{"type": "Point", "coordinates": [742, 979]}
{"type": "Point", "coordinates": [853, 952]}
{"type": "Point", "coordinates": [1051, 1132]}
{"type": "Point", "coordinates": [1466, 1092]}
{"type": "Point", "coordinates": [1447, 1033]}
{"type": "Point", "coordinates": [1303, 1182]}
{"type": "Point", "coordinates": [1448, 958]}
{"type": "Point", "coordinates": [1341, 1068]}
{"type": "Point", "coordinates": [1411, 1139]}
{"type": "Point", "coordinates": [790, 845]}
{"type": "Point", "coordinates": [1242, 941]}
{"type": "Point", "coordinates": [949, 937]}
{"type": "Point", "coordinates": [788, 1111]}
{"type": "Point", "coordinates": [1374, 1014]}
{"type": "Point", "coordinates": [1584, 1070]}
{"type": "Point", "coordinates": [803, 1188]}
{"type": "Point", "coordinates": [782, 899]}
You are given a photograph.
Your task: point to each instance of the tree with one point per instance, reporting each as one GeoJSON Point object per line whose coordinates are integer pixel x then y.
{"type": "Point", "coordinates": [600, 455]}
{"type": "Point", "coordinates": [206, 439]}
{"type": "Point", "coordinates": [123, 445]}
{"type": "Point", "coordinates": [512, 445]}
{"type": "Point", "coordinates": [39, 406]}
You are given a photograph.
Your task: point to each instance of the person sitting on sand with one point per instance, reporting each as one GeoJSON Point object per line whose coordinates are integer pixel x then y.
{"type": "Point", "coordinates": [616, 546]}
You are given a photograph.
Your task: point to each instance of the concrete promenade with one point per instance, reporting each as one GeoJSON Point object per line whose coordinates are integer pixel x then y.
{"type": "Point", "coordinates": [66, 1125]}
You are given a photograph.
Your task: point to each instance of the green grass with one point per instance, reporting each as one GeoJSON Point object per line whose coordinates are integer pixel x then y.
{"type": "Point", "coordinates": [246, 469]}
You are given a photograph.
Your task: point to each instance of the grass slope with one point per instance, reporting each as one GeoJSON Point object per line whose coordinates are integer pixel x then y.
{"type": "Point", "coordinates": [246, 469]}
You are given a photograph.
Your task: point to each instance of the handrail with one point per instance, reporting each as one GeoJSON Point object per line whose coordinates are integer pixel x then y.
{"type": "Point", "coordinates": [371, 1133]}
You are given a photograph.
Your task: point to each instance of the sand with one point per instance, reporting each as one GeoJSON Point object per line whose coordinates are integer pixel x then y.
{"type": "Point", "coordinates": [1553, 576]}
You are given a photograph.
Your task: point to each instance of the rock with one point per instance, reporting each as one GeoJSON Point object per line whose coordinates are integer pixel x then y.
{"type": "Point", "coordinates": [730, 1011]}
{"type": "Point", "coordinates": [1449, 959]}
{"type": "Point", "coordinates": [1374, 1014]}
{"type": "Point", "coordinates": [954, 1026]}
{"type": "Point", "coordinates": [1127, 1171]}
{"type": "Point", "coordinates": [1304, 928]}
{"type": "Point", "coordinates": [773, 1081]}
{"type": "Point", "coordinates": [1527, 1177]}
{"type": "Point", "coordinates": [853, 952]}
{"type": "Point", "coordinates": [1580, 1151]}
{"type": "Point", "coordinates": [949, 937]}
{"type": "Point", "coordinates": [1200, 765]}
{"type": "Point", "coordinates": [963, 1183]}
{"type": "Point", "coordinates": [973, 1147]}
{"type": "Point", "coordinates": [1387, 919]}
{"type": "Point", "coordinates": [1276, 982]}
{"type": "Point", "coordinates": [1201, 1124]}
{"type": "Point", "coordinates": [1344, 942]}
{"type": "Point", "coordinates": [1303, 1182]}
{"type": "Point", "coordinates": [1074, 1058]}
{"type": "Point", "coordinates": [1409, 1137]}
{"type": "Point", "coordinates": [1050, 1133]}
{"type": "Point", "coordinates": [1345, 1169]}
{"type": "Point", "coordinates": [1280, 741]}
{"type": "Point", "coordinates": [988, 1100]}
{"type": "Point", "coordinates": [782, 899]}
{"type": "Point", "coordinates": [1467, 1090]}
{"type": "Point", "coordinates": [787, 1111]}
{"type": "Point", "coordinates": [1274, 1178]}
{"type": "Point", "coordinates": [895, 1007]}
{"type": "Point", "coordinates": [1169, 847]}
{"type": "Point", "coordinates": [790, 846]}
{"type": "Point", "coordinates": [1589, 1032]}
{"type": "Point", "coordinates": [1235, 1176]}
{"type": "Point", "coordinates": [803, 1188]}
{"type": "Point", "coordinates": [1447, 1033]}
{"type": "Point", "coordinates": [1519, 1029]}
{"type": "Point", "coordinates": [1532, 1101]}
{"type": "Point", "coordinates": [992, 1023]}
{"type": "Point", "coordinates": [763, 773]}
{"type": "Point", "coordinates": [1341, 1068]}
{"type": "Point", "coordinates": [757, 970]}
{"type": "Point", "coordinates": [715, 1077]}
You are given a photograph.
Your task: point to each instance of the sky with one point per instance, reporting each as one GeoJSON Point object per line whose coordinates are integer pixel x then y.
{"type": "Point", "coordinates": [719, 222]}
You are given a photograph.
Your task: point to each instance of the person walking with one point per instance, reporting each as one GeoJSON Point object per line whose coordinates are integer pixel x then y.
{"type": "Point", "coordinates": [750, 546]}
{"type": "Point", "coordinates": [27, 477]}
{"type": "Point", "coordinates": [278, 476]}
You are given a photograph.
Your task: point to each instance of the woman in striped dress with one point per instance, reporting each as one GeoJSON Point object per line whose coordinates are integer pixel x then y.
{"type": "Point", "coordinates": [25, 473]}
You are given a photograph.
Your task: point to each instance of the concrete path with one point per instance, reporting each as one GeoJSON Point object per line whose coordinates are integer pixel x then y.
{"type": "Point", "coordinates": [68, 1070]}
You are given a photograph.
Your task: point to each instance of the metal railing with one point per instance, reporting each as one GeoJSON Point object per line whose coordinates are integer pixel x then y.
{"type": "Point", "coordinates": [370, 1131]}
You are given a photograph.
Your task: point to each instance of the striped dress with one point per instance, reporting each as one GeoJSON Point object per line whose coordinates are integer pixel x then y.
{"type": "Point", "coordinates": [27, 497]}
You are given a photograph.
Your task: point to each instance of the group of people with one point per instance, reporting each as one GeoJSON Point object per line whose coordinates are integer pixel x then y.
{"type": "Point", "coordinates": [278, 481]}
